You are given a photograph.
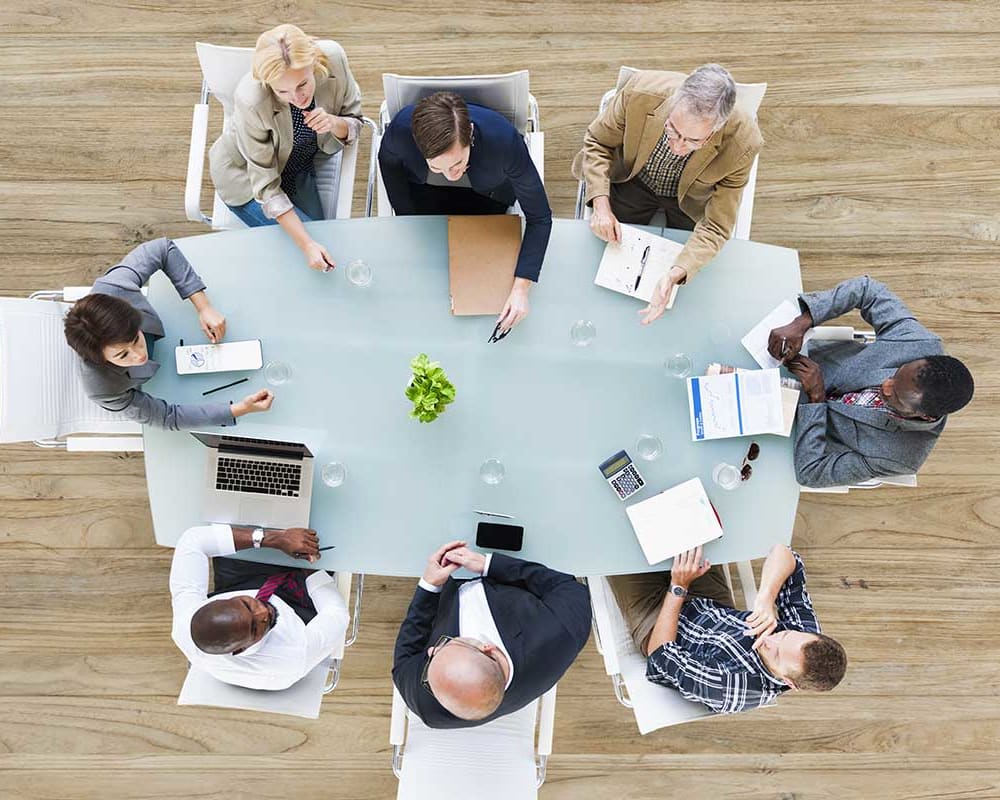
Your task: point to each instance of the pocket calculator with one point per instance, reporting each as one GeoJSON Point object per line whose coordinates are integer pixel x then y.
{"type": "Point", "coordinates": [620, 472]}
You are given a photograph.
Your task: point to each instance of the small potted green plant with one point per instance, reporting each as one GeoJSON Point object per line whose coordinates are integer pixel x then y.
{"type": "Point", "coordinates": [429, 389]}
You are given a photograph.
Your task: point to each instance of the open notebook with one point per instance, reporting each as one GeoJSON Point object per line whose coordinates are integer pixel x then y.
{"type": "Point", "coordinates": [673, 521]}
{"type": "Point", "coordinates": [622, 268]}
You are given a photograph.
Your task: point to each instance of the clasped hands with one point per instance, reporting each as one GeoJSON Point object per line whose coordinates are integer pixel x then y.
{"type": "Point", "coordinates": [785, 344]}
{"type": "Point", "coordinates": [448, 558]}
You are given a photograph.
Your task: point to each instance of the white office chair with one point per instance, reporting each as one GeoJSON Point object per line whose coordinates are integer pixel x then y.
{"type": "Point", "coordinates": [495, 761]}
{"type": "Point", "coordinates": [506, 94]}
{"type": "Point", "coordinates": [301, 699]}
{"type": "Point", "coordinates": [654, 706]}
{"type": "Point", "coordinates": [748, 99]}
{"type": "Point", "coordinates": [41, 396]}
{"type": "Point", "coordinates": [846, 333]}
{"type": "Point", "coordinates": [222, 69]}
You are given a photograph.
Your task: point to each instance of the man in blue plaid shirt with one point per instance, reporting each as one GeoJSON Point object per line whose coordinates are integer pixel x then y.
{"type": "Point", "coordinates": [729, 660]}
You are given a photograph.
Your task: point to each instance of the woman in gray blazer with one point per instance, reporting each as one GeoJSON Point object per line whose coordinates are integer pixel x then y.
{"type": "Point", "coordinates": [299, 103]}
{"type": "Point", "coordinates": [114, 329]}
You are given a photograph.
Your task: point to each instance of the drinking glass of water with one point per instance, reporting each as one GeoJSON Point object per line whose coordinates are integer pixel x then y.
{"type": "Point", "coordinates": [649, 447]}
{"type": "Point", "coordinates": [726, 476]}
{"type": "Point", "coordinates": [277, 373]}
{"type": "Point", "coordinates": [359, 273]}
{"type": "Point", "coordinates": [678, 365]}
{"type": "Point", "coordinates": [333, 474]}
{"type": "Point", "coordinates": [492, 471]}
{"type": "Point", "coordinates": [583, 332]}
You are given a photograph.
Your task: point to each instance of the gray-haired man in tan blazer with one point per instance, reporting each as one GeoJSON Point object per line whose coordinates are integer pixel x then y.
{"type": "Point", "coordinates": [674, 143]}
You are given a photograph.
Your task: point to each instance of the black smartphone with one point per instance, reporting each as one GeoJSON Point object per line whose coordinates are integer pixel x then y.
{"type": "Point", "coordinates": [499, 537]}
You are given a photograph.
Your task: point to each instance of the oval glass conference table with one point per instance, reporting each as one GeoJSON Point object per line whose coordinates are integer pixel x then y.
{"type": "Point", "coordinates": [550, 410]}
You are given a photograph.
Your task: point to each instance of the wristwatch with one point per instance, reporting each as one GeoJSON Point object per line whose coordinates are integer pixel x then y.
{"type": "Point", "coordinates": [678, 591]}
{"type": "Point", "coordinates": [257, 537]}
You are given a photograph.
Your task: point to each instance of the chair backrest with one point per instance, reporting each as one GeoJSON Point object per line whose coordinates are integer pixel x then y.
{"type": "Point", "coordinates": [41, 396]}
{"type": "Point", "coordinates": [748, 95]}
{"type": "Point", "coordinates": [654, 706]}
{"type": "Point", "coordinates": [506, 94]}
{"type": "Point", "coordinates": [497, 758]}
{"type": "Point", "coordinates": [223, 68]}
{"type": "Point", "coordinates": [301, 699]}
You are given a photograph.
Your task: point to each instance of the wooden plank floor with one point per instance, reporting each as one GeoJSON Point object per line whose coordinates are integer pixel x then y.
{"type": "Point", "coordinates": [882, 155]}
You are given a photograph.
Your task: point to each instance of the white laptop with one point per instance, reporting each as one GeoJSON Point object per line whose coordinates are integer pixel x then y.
{"type": "Point", "coordinates": [257, 481]}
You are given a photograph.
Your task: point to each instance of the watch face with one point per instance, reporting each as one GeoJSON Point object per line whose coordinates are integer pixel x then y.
{"type": "Point", "coordinates": [677, 590]}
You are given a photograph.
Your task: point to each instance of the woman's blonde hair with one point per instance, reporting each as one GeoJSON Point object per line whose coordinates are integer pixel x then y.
{"type": "Point", "coordinates": [287, 47]}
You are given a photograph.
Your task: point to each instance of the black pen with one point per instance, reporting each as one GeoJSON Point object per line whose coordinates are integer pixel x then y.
{"type": "Point", "coordinates": [331, 547]}
{"type": "Point", "coordinates": [220, 388]}
{"type": "Point", "coordinates": [642, 268]}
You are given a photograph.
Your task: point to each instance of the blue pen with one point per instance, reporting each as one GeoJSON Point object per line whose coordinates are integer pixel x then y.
{"type": "Point", "coordinates": [642, 268]}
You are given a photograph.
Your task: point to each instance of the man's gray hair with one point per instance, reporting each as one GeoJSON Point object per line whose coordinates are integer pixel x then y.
{"type": "Point", "coordinates": [709, 93]}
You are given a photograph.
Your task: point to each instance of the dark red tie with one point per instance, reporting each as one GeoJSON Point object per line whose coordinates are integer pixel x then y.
{"type": "Point", "coordinates": [289, 584]}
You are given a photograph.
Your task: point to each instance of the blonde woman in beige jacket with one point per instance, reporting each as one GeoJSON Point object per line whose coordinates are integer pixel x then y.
{"type": "Point", "coordinates": [299, 103]}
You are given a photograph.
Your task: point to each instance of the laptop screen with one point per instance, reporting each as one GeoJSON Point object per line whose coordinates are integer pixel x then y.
{"type": "Point", "coordinates": [253, 447]}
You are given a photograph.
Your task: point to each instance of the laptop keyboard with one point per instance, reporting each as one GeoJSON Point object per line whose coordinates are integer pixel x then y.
{"type": "Point", "coordinates": [260, 477]}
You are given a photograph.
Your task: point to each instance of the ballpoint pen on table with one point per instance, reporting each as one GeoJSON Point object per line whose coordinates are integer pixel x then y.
{"type": "Point", "coordinates": [492, 514]}
{"type": "Point", "coordinates": [225, 386]}
{"type": "Point", "coordinates": [642, 268]}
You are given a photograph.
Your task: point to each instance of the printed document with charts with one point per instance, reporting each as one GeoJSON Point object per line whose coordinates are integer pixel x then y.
{"type": "Point", "coordinates": [674, 521]}
{"type": "Point", "coordinates": [742, 403]}
{"type": "Point", "coordinates": [622, 269]}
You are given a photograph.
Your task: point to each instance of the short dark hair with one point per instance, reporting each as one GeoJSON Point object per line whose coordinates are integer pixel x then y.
{"type": "Point", "coordinates": [439, 121]}
{"type": "Point", "coordinates": [945, 385]}
{"type": "Point", "coordinates": [824, 664]}
{"type": "Point", "coordinates": [99, 320]}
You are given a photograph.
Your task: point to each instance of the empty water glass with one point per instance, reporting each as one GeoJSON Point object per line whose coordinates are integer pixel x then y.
{"type": "Point", "coordinates": [726, 476]}
{"type": "Point", "coordinates": [678, 365]}
{"type": "Point", "coordinates": [359, 273]}
{"type": "Point", "coordinates": [277, 373]}
{"type": "Point", "coordinates": [649, 447]}
{"type": "Point", "coordinates": [333, 474]}
{"type": "Point", "coordinates": [492, 471]}
{"type": "Point", "coordinates": [583, 332]}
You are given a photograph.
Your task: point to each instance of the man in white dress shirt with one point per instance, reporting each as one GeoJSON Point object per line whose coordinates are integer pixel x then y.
{"type": "Point", "coordinates": [267, 626]}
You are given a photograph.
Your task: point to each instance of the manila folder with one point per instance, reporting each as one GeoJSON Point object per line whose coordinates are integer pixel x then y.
{"type": "Point", "coordinates": [482, 256]}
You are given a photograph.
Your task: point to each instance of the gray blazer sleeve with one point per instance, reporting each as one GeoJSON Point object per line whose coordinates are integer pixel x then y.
{"type": "Point", "coordinates": [145, 409]}
{"type": "Point", "coordinates": [820, 463]}
{"type": "Point", "coordinates": [133, 272]}
{"type": "Point", "coordinates": [879, 307]}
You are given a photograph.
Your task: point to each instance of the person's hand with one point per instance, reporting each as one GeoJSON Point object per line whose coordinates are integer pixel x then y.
{"type": "Point", "coordinates": [252, 403]}
{"type": "Point", "coordinates": [603, 222]}
{"type": "Point", "coordinates": [661, 295]}
{"type": "Point", "coordinates": [212, 323]}
{"type": "Point", "coordinates": [785, 343]}
{"type": "Point", "coordinates": [762, 621]}
{"type": "Point", "coordinates": [322, 121]}
{"type": "Point", "coordinates": [438, 569]}
{"type": "Point", "coordinates": [517, 307]}
{"type": "Point", "coordinates": [295, 542]}
{"type": "Point", "coordinates": [688, 566]}
{"type": "Point", "coordinates": [318, 257]}
{"type": "Point", "coordinates": [810, 375]}
{"type": "Point", "coordinates": [464, 557]}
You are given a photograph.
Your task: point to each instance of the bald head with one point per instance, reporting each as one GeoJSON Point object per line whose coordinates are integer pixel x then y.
{"type": "Point", "coordinates": [467, 681]}
{"type": "Point", "coordinates": [220, 627]}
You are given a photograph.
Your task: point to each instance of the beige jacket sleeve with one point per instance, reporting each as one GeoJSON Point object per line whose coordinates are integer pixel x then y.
{"type": "Point", "coordinates": [253, 138]}
{"type": "Point", "coordinates": [350, 101]}
{"type": "Point", "coordinates": [603, 139]}
{"type": "Point", "coordinates": [716, 226]}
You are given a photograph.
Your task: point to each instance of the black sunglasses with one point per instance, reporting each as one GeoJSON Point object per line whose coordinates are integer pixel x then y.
{"type": "Point", "coordinates": [496, 330]}
{"type": "Point", "coordinates": [745, 469]}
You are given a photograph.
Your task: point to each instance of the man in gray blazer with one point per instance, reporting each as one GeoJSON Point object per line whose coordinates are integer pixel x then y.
{"type": "Point", "coordinates": [870, 410]}
{"type": "Point", "coordinates": [114, 330]}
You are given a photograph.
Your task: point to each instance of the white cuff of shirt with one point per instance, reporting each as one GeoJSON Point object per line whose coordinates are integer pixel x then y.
{"type": "Point", "coordinates": [276, 205]}
{"type": "Point", "coordinates": [353, 129]}
{"type": "Point", "coordinates": [318, 579]}
{"type": "Point", "coordinates": [225, 545]}
{"type": "Point", "coordinates": [486, 566]}
{"type": "Point", "coordinates": [428, 587]}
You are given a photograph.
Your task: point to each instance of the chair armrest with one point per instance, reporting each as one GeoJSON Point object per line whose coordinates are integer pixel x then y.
{"type": "Point", "coordinates": [104, 444]}
{"type": "Point", "coordinates": [833, 333]}
{"type": "Point", "coordinates": [397, 723]}
{"type": "Point", "coordinates": [196, 164]}
{"type": "Point", "coordinates": [536, 150]}
{"type": "Point", "coordinates": [745, 570]}
{"type": "Point", "coordinates": [546, 721]}
{"type": "Point", "coordinates": [741, 230]}
{"type": "Point", "coordinates": [603, 630]}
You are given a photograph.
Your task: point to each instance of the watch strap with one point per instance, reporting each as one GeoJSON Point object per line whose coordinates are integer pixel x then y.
{"type": "Point", "coordinates": [257, 537]}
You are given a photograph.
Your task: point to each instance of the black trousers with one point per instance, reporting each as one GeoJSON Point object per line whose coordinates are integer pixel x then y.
{"type": "Point", "coordinates": [234, 575]}
{"type": "Point", "coordinates": [430, 199]}
{"type": "Point", "coordinates": [633, 203]}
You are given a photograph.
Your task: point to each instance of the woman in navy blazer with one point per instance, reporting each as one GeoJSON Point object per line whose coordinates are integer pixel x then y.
{"type": "Point", "coordinates": [443, 156]}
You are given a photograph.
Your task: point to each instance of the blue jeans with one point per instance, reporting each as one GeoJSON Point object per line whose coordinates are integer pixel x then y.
{"type": "Point", "coordinates": [305, 198]}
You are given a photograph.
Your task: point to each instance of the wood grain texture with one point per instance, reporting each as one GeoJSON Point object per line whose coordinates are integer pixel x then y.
{"type": "Point", "coordinates": [882, 156]}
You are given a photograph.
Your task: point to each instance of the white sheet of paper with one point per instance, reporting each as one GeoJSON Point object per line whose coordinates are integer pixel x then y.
{"type": "Point", "coordinates": [756, 340]}
{"type": "Point", "coordinates": [673, 521]}
{"type": "Point", "coordinates": [744, 403]}
{"type": "Point", "coordinates": [620, 264]}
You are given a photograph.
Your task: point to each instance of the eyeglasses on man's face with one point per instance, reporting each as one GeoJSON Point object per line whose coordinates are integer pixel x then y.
{"type": "Point", "coordinates": [674, 135]}
{"type": "Point", "coordinates": [445, 640]}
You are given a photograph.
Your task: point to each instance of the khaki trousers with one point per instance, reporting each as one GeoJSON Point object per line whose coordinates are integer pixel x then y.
{"type": "Point", "coordinates": [640, 597]}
